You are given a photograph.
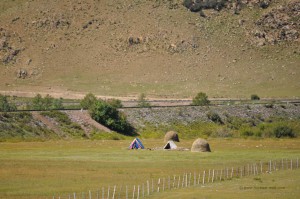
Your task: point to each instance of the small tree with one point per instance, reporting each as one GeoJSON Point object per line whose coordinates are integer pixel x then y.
{"type": "Point", "coordinates": [201, 99]}
{"type": "Point", "coordinates": [142, 101]}
{"type": "Point", "coordinates": [38, 103]}
{"type": "Point", "coordinates": [255, 97]}
{"type": "Point", "coordinates": [109, 116]}
{"type": "Point", "coordinates": [88, 101]}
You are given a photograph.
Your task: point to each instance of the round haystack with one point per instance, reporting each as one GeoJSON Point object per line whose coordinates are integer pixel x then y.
{"type": "Point", "coordinates": [171, 135]}
{"type": "Point", "coordinates": [200, 145]}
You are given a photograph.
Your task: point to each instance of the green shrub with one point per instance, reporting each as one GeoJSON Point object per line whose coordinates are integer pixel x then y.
{"type": "Point", "coordinates": [284, 131]}
{"type": "Point", "coordinates": [214, 117]}
{"type": "Point", "coordinates": [201, 99]}
{"type": "Point", "coordinates": [109, 116]}
{"type": "Point", "coordinates": [255, 97]}
{"type": "Point", "coordinates": [88, 101]}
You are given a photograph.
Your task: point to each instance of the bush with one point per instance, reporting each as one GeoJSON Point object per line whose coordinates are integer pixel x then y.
{"type": "Point", "coordinates": [109, 116]}
{"type": "Point", "coordinates": [255, 97]}
{"type": "Point", "coordinates": [214, 117]}
{"type": "Point", "coordinates": [201, 99]}
{"type": "Point", "coordinates": [284, 131]}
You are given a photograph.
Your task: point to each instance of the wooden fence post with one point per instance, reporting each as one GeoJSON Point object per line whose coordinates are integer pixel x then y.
{"type": "Point", "coordinates": [291, 164]}
{"type": "Point", "coordinates": [74, 195]}
{"type": "Point", "coordinates": [163, 184]}
{"type": "Point", "coordinates": [183, 179]}
{"type": "Point", "coordinates": [152, 188]}
{"type": "Point", "coordinates": [213, 176]}
{"type": "Point", "coordinates": [195, 178]}
{"type": "Point", "coordinates": [174, 180]}
{"type": "Point", "coordinates": [221, 173]}
{"type": "Point", "coordinates": [190, 179]}
{"type": "Point", "coordinates": [282, 164]}
{"type": "Point", "coordinates": [108, 190]}
{"type": "Point", "coordinates": [102, 192]}
{"type": "Point", "coordinates": [261, 167]}
{"type": "Point", "coordinates": [169, 183]}
{"type": "Point", "coordinates": [231, 172]}
{"type": "Point", "coordinates": [178, 182]}
{"type": "Point", "coordinates": [126, 192]}
{"type": "Point", "coordinates": [143, 190]}
{"type": "Point", "coordinates": [119, 195]}
{"type": "Point", "coordinates": [227, 173]}
{"type": "Point", "coordinates": [248, 170]}
{"type": "Point", "coordinates": [203, 181]}
{"type": "Point", "coordinates": [148, 188]}
{"type": "Point", "coordinates": [138, 193]}
{"type": "Point", "coordinates": [133, 192]}
{"type": "Point", "coordinates": [113, 197]}
{"type": "Point", "coordinates": [208, 176]}
{"type": "Point", "coordinates": [158, 183]}
{"type": "Point", "coordinates": [90, 194]}
{"type": "Point", "coordinates": [199, 178]}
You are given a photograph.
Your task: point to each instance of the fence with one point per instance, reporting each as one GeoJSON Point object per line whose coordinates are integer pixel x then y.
{"type": "Point", "coordinates": [184, 180]}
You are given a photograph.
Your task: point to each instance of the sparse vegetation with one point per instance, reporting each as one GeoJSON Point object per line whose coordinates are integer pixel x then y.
{"type": "Point", "coordinates": [46, 103]}
{"type": "Point", "coordinates": [22, 127]}
{"type": "Point", "coordinates": [142, 101]}
{"type": "Point", "coordinates": [65, 124]}
{"type": "Point", "coordinates": [5, 105]}
{"type": "Point", "coordinates": [201, 99]}
{"type": "Point", "coordinates": [115, 103]}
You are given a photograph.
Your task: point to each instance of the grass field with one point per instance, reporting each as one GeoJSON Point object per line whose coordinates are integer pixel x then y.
{"type": "Point", "coordinates": [41, 169]}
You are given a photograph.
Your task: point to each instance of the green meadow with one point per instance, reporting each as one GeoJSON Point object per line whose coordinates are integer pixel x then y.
{"type": "Point", "coordinates": [44, 169]}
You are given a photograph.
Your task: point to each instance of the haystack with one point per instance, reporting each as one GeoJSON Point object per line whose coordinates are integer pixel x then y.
{"type": "Point", "coordinates": [200, 145]}
{"type": "Point", "coordinates": [171, 135]}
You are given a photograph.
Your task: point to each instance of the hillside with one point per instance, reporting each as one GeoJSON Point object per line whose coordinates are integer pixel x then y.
{"type": "Point", "coordinates": [158, 47]}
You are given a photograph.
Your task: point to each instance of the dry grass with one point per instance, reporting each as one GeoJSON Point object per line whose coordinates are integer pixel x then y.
{"type": "Point", "coordinates": [98, 59]}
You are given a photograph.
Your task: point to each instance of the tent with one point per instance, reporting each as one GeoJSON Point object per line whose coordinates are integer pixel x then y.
{"type": "Point", "coordinates": [170, 145]}
{"type": "Point", "coordinates": [136, 144]}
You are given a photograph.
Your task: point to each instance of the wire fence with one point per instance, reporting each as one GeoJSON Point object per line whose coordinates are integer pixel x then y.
{"type": "Point", "coordinates": [185, 180]}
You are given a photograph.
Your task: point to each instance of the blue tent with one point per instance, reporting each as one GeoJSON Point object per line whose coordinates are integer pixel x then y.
{"type": "Point", "coordinates": [136, 144]}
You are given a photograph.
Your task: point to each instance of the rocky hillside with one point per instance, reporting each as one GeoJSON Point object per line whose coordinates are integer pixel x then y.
{"type": "Point", "coordinates": [187, 115]}
{"type": "Point", "coordinates": [164, 48]}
